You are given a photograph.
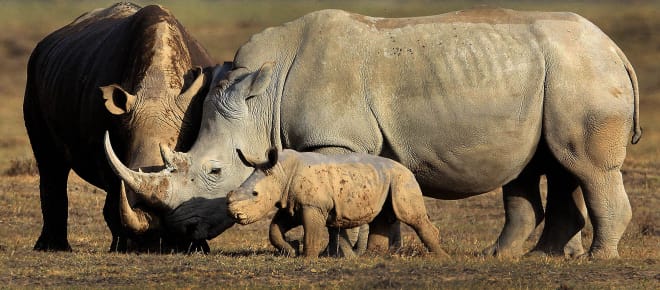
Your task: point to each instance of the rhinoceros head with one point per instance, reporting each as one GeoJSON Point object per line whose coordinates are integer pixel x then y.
{"type": "Point", "coordinates": [152, 116]}
{"type": "Point", "coordinates": [191, 190]}
{"type": "Point", "coordinates": [158, 101]}
{"type": "Point", "coordinates": [259, 193]}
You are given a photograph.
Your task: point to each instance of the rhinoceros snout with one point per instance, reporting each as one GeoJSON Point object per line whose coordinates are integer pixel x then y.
{"type": "Point", "coordinates": [237, 195]}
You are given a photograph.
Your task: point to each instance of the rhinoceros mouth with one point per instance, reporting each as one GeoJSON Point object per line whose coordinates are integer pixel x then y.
{"type": "Point", "coordinates": [239, 215]}
{"type": "Point", "coordinates": [241, 218]}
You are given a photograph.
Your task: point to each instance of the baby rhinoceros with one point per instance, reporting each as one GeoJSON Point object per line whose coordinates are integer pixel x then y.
{"type": "Point", "coordinates": [342, 191]}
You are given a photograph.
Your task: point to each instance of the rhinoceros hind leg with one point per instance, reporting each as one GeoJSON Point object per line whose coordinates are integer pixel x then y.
{"type": "Point", "coordinates": [596, 159]}
{"type": "Point", "coordinates": [564, 216]}
{"type": "Point", "coordinates": [523, 212]}
{"type": "Point", "coordinates": [407, 203]}
{"type": "Point", "coordinates": [425, 230]}
{"type": "Point", "coordinates": [609, 212]}
{"type": "Point", "coordinates": [379, 230]}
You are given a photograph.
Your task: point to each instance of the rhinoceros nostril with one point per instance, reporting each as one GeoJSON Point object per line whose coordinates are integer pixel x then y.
{"type": "Point", "coordinates": [254, 193]}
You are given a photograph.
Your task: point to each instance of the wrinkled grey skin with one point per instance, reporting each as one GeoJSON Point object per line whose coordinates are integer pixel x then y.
{"type": "Point", "coordinates": [134, 72]}
{"type": "Point", "coordinates": [340, 191]}
{"type": "Point", "coordinates": [469, 101]}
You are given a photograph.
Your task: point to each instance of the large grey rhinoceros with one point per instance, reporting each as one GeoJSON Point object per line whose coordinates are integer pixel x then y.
{"type": "Point", "coordinates": [133, 71]}
{"type": "Point", "coordinates": [469, 101]}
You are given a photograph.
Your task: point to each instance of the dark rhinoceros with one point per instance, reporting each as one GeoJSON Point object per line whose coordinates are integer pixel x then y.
{"type": "Point", "coordinates": [469, 101]}
{"type": "Point", "coordinates": [135, 72]}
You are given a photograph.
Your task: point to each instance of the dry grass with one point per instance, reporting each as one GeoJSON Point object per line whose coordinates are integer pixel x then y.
{"type": "Point", "coordinates": [22, 166]}
{"type": "Point", "coordinates": [242, 257]}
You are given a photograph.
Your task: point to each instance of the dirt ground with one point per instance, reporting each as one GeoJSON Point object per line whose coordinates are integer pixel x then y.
{"type": "Point", "coordinates": [242, 257]}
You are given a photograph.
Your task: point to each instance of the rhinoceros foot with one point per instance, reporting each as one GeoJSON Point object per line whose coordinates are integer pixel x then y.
{"type": "Point", "coordinates": [498, 251]}
{"type": "Point", "coordinates": [52, 244]}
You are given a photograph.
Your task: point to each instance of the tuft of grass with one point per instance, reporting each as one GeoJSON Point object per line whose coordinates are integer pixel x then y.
{"type": "Point", "coordinates": [22, 166]}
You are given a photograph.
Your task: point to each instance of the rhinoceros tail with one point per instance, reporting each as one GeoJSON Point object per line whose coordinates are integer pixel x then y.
{"type": "Point", "coordinates": [637, 134]}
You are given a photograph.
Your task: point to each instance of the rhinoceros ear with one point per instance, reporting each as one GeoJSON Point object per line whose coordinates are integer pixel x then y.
{"type": "Point", "coordinates": [184, 99]}
{"type": "Point", "coordinates": [117, 100]}
{"type": "Point", "coordinates": [249, 162]}
{"type": "Point", "coordinates": [262, 79]}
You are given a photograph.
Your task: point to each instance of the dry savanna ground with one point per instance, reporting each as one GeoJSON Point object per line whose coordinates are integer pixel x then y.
{"type": "Point", "coordinates": [242, 257]}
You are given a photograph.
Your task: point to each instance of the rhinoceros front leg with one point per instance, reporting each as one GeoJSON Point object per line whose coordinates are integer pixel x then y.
{"type": "Point", "coordinates": [112, 219]}
{"type": "Point", "coordinates": [564, 216]}
{"type": "Point", "coordinates": [523, 212]}
{"type": "Point", "coordinates": [54, 172]}
{"type": "Point", "coordinates": [314, 221]}
{"type": "Point", "coordinates": [341, 241]}
{"type": "Point", "coordinates": [282, 222]}
{"type": "Point", "coordinates": [54, 208]}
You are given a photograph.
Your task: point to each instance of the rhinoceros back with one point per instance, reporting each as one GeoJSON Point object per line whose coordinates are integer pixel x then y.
{"type": "Point", "coordinates": [436, 93]}
{"type": "Point", "coordinates": [457, 98]}
{"type": "Point", "coordinates": [109, 46]}
{"type": "Point", "coordinates": [65, 72]}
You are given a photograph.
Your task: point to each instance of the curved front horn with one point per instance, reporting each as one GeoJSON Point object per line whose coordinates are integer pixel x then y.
{"type": "Point", "coordinates": [136, 220]}
{"type": "Point", "coordinates": [149, 187]}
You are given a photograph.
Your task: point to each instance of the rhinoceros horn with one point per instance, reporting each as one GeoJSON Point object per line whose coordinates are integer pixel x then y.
{"type": "Point", "coordinates": [168, 156]}
{"type": "Point", "coordinates": [136, 220]}
{"type": "Point", "coordinates": [150, 188]}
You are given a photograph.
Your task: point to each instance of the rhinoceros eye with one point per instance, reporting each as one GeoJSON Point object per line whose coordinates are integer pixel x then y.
{"type": "Point", "coordinates": [215, 171]}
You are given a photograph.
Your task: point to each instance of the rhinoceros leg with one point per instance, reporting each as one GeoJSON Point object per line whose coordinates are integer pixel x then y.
{"type": "Point", "coordinates": [379, 231]}
{"type": "Point", "coordinates": [54, 209]}
{"type": "Point", "coordinates": [523, 212]}
{"type": "Point", "coordinates": [564, 216]}
{"type": "Point", "coordinates": [315, 231]}
{"type": "Point", "coordinates": [282, 222]}
{"type": "Point", "coordinates": [407, 203]}
{"type": "Point", "coordinates": [341, 241]}
{"type": "Point", "coordinates": [588, 117]}
{"type": "Point", "coordinates": [591, 145]}
{"type": "Point", "coordinates": [606, 199]}
{"type": "Point", "coordinates": [609, 211]}
{"type": "Point", "coordinates": [54, 172]}
{"type": "Point", "coordinates": [112, 219]}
